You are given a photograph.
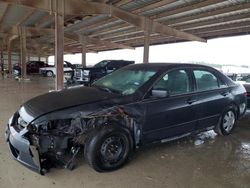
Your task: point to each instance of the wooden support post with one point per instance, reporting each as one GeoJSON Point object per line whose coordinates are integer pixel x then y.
{"type": "Point", "coordinates": [47, 60]}
{"type": "Point", "coordinates": [9, 57]}
{"type": "Point", "coordinates": [23, 52]}
{"type": "Point", "coordinates": [59, 43]}
{"type": "Point", "coordinates": [39, 58]}
{"type": "Point", "coordinates": [2, 60]}
{"type": "Point", "coordinates": [147, 31]}
{"type": "Point", "coordinates": [83, 42]}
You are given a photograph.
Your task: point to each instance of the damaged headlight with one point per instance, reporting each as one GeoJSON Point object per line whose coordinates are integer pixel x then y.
{"type": "Point", "coordinates": [52, 126]}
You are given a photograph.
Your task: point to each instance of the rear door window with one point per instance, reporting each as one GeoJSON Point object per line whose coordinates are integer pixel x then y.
{"type": "Point", "coordinates": [175, 82]}
{"type": "Point", "coordinates": [205, 80]}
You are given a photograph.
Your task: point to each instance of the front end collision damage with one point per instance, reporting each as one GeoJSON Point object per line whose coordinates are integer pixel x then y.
{"type": "Point", "coordinates": [54, 142]}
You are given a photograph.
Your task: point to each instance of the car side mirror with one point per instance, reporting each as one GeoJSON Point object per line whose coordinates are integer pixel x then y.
{"type": "Point", "coordinates": [160, 93]}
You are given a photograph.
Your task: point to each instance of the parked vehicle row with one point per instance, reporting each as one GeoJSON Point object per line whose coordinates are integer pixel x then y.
{"type": "Point", "coordinates": [126, 109]}
{"type": "Point", "coordinates": [51, 71]}
{"type": "Point", "coordinates": [87, 75]}
{"type": "Point", "coordinates": [75, 73]}
{"type": "Point", "coordinates": [32, 67]}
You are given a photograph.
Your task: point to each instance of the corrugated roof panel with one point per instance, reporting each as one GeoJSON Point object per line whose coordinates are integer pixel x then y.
{"type": "Point", "coordinates": [14, 14]}
{"type": "Point", "coordinates": [167, 7]}
{"type": "Point", "coordinates": [86, 22]}
{"type": "Point", "coordinates": [3, 8]}
{"type": "Point", "coordinates": [220, 16]}
{"type": "Point", "coordinates": [136, 4]}
{"type": "Point", "coordinates": [110, 24]}
{"type": "Point", "coordinates": [103, 26]}
{"type": "Point", "coordinates": [219, 24]}
{"type": "Point", "coordinates": [35, 18]}
{"type": "Point", "coordinates": [203, 9]}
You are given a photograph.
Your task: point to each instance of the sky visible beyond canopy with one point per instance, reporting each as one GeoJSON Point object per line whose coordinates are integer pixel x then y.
{"type": "Point", "coordinates": [225, 51]}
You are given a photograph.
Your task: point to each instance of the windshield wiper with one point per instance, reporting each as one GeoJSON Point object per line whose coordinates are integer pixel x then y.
{"type": "Point", "coordinates": [107, 89]}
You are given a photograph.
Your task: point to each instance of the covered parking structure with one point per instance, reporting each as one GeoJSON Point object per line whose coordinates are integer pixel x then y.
{"type": "Point", "coordinates": [55, 27]}
{"type": "Point", "coordinates": [41, 28]}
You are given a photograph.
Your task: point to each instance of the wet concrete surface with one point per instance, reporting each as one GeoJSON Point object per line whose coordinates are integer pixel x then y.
{"type": "Point", "coordinates": [206, 160]}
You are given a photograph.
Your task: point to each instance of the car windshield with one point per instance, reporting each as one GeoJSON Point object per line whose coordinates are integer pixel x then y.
{"type": "Point", "coordinates": [124, 81]}
{"type": "Point", "coordinates": [101, 64]}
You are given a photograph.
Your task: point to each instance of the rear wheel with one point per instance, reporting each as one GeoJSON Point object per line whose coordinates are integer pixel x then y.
{"type": "Point", "coordinates": [227, 123]}
{"type": "Point", "coordinates": [49, 74]}
{"type": "Point", "coordinates": [108, 148]}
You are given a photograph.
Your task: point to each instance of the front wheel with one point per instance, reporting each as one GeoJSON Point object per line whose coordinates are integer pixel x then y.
{"type": "Point", "coordinates": [49, 74]}
{"type": "Point", "coordinates": [108, 148]}
{"type": "Point", "coordinates": [227, 123]}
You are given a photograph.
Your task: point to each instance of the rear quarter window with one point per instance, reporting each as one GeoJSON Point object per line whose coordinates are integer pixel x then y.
{"type": "Point", "coordinates": [206, 80]}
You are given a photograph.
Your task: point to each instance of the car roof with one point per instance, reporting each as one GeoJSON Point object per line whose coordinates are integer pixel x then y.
{"type": "Point", "coordinates": [167, 66]}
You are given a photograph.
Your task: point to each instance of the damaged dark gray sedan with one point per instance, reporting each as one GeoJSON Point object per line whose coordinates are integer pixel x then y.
{"type": "Point", "coordinates": [131, 107]}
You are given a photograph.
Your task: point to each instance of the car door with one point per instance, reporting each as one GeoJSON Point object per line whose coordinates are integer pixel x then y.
{"type": "Point", "coordinates": [213, 96]}
{"type": "Point", "coordinates": [172, 115]}
{"type": "Point", "coordinates": [112, 66]}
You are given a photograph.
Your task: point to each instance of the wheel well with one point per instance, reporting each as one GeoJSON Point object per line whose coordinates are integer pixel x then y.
{"type": "Point", "coordinates": [236, 109]}
{"type": "Point", "coordinates": [125, 122]}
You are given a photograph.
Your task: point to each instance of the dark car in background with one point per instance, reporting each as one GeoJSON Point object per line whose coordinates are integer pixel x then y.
{"type": "Point", "coordinates": [87, 75]}
{"type": "Point", "coordinates": [131, 107]}
{"type": "Point", "coordinates": [32, 67]}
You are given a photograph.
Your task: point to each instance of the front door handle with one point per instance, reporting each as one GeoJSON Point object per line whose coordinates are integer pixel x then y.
{"type": "Point", "coordinates": [225, 93]}
{"type": "Point", "coordinates": [191, 101]}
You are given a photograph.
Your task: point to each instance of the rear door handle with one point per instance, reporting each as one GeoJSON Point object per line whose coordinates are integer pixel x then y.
{"type": "Point", "coordinates": [225, 93]}
{"type": "Point", "coordinates": [191, 101]}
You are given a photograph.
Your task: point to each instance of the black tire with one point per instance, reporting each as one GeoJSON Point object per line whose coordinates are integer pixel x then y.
{"type": "Point", "coordinates": [108, 148]}
{"type": "Point", "coordinates": [49, 74]}
{"type": "Point", "coordinates": [227, 122]}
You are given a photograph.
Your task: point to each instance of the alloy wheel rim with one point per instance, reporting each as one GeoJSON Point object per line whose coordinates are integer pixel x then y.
{"type": "Point", "coordinates": [228, 121]}
{"type": "Point", "coordinates": [49, 74]}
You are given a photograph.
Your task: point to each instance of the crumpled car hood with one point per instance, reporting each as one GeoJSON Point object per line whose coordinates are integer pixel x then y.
{"type": "Point", "coordinates": [67, 98]}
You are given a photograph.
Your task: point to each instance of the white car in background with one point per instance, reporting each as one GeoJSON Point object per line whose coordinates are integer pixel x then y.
{"type": "Point", "coordinates": [51, 71]}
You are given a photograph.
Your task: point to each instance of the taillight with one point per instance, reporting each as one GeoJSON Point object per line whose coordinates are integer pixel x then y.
{"type": "Point", "coordinates": [245, 94]}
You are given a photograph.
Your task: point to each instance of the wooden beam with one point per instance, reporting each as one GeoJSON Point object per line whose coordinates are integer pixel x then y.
{"type": "Point", "coordinates": [156, 26]}
{"type": "Point", "coordinates": [43, 20]}
{"type": "Point", "coordinates": [148, 26]}
{"type": "Point", "coordinates": [9, 57]}
{"type": "Point", "coordinates": [136, 11]}
{"type": "Point", "coordinates": [206, 23]}
{"type": "Point", "coordinates": [77, 7]}
{"type": "Point", "coordinates": [93, 40]}
{"type": "Point", "coordinates": [23, 52]}
{"type": "Point", "coordinates": [2, 59]}
{"type": "Point", "coordinates": [59, 44]}
{"type": "Point", "coordinates": [25, 17]}
{"type": "Point", "coordinates": [4, 11]}
{"type": "Point", "coordinates": [83, 44]}
{"type": "Point", "coordinates": [33, 31]}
